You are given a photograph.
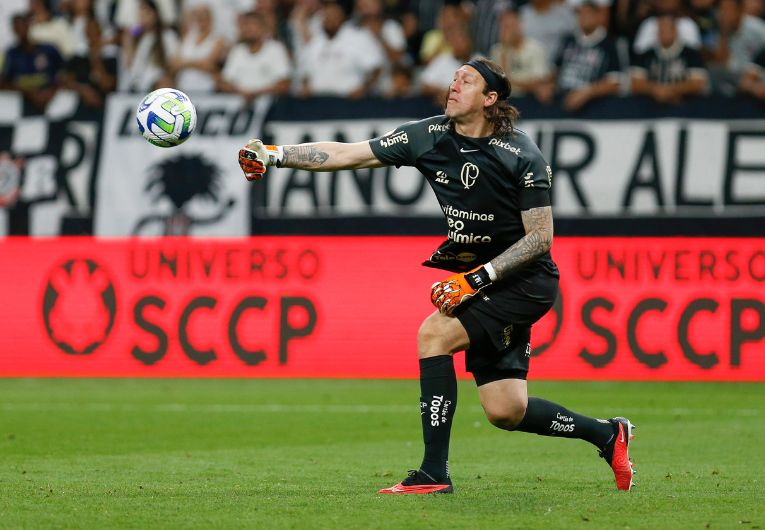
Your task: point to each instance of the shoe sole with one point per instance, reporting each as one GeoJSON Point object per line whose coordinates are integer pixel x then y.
{"type": "Point", "coordinates": [623, 481]}
{"type": "Point", "coordinates": [417, 490]}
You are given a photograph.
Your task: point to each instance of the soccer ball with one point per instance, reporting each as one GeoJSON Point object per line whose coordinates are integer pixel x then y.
{"type": "Point", "coordinates": [166, 117]}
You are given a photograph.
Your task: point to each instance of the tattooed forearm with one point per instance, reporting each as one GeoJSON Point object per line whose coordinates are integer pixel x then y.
{"type": "Point", "coordinates": [538, 224]}
{"type": "Point", "coordinates": [304, 156]}
{"type": "Point", "coordinates": [329, 156]}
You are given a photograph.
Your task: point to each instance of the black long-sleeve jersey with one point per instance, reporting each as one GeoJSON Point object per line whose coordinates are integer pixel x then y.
{"type": "Point", "coordinates": [482, 185]}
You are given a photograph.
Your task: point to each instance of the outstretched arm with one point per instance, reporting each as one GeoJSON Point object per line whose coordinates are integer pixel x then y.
{"type": "Point", "coordinates": [255, 157]}
{"type": "Point", "coordinates": [329, 156]}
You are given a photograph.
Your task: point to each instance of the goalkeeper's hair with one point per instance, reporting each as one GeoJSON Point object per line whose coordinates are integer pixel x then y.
{"type": "Point", "coordinates": [501, 114]}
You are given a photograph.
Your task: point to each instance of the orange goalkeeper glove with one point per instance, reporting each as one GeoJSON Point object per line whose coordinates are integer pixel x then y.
{"type": "Point", "coordinates": [446, 295]}
{"type": "Point", "coordinates": [256, 157]}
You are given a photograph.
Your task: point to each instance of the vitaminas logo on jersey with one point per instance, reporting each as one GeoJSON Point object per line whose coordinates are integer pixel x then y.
{"type": "Point", "coordinates": [451, 211]}
{"type": "Point", "coordinates": [455, 219]}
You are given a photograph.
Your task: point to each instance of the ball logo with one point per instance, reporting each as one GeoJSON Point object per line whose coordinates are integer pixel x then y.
{"type": "Point", "coordinates": [468, 175]}
{"type": "Point", "coordinates": [79, 306]}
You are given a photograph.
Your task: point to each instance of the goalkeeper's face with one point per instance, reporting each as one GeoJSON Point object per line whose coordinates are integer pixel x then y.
{"type": "Point", "coordinates": [465, 96]}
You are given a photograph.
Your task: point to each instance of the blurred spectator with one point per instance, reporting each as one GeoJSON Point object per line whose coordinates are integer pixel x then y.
{"type": "Point", "coordinates": [90, 72]}
{"type": "Point", "coordinates": [755, 8]}
{"type": "Point", "coordinates": [704, 15]}
{"type": "Point", "coordinates": [671, 71]}
{"type": "Point", "coordinates": [31, 68]}
{"type": "Point", "coordinates": [647, 34]}
{"type": "Point", "coordinates": [387, 32]}
{"type": "Point", "coordinates": [197, 62]}
{"type": "Point", "coordinates": [426, 11]}
{"type": "Point", "coordinates": [342, 60]}
{"type": "Point", "coordinates": [304, 23]}
{"type": "Point", "coordinates": [103, 12]}
{"type": "Point", "coordinates": [438, 75]}
{"type": "Point", "coordinates": [146, 50]}
{"type": "Point", "coordinates": [548, 22]}
{"type": "Point", "coordinates": [227, 13]}
{"type": "Point", "coordinates": [753, 80]}
{"type": "Point", "coordinates": [434, 41]}
{"type": "Point", "coordinates": [401, 85]}
{"type": "Point", "coordinates": [626, 16]}
{"type": "Point", "coordinates": [258, 65]}
{"type": "Point", "coordinates": [128, 13]}
{"type": "Point", "coordinates": [10, 179]}
{"type": "Point", "coordinates": [485, 23]}
{"type": "Point", "coordinates": [82, 13]}
{"type": "Point", "coordinates": [8, 8]}
{"type": "Point", "coordinates": [741, 37]}
{"type": "Point", "coordinates": [523, 59]}
{"type": "Point", "coordinates": [267, 11]}
{"type": "Point", "coordinates": [49, 29]}
{"type": "Point", "coordinates": [413, 36]}
{"type": "Point", "coordinates": [587, 67]}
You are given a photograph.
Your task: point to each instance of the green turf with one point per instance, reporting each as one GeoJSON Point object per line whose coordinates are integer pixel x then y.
{"type": "Point", "coordinates": [311, 454]}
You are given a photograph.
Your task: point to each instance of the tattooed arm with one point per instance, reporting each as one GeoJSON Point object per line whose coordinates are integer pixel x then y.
{"type": "Point", "coordinates": [256, 157]}
{"type": "Point", "coordinates": [329, 156]}
{"type": "Point", "coordinates": [538, 223]}
{"type": "Point", "coordinates": [456, 289]}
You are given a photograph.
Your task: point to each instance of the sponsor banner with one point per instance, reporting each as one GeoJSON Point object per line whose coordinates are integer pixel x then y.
{"type": "Point", "coordinates": [655, 308]}
{"type": "Point", "coordinates": [47, 165]}
{"type": "Point", "coordinates": [600, 168]}
{"type": "Point", "coordinates": [630, 309]}
{"type": "Point", "coordinates": [194, 189]}
{"type": "Point", "coordinates": [668, 166]}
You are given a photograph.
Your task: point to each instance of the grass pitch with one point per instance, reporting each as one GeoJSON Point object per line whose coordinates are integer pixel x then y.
{"type": "Point", "coordinates": [311, 454]}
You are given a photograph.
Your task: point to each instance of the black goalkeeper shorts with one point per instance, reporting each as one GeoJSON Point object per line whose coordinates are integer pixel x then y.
{"type": "Point", "coordinates": [498, 322]}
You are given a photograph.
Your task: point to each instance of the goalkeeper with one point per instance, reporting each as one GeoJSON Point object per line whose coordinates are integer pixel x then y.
{"type": "Point", "coordinates": [493, 186]}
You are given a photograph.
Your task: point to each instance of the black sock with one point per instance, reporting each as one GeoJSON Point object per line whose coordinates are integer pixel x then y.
{"type": "Point", "coordinates": [550, 419]}
{"type": "Point", "coordinates": [438, 400]}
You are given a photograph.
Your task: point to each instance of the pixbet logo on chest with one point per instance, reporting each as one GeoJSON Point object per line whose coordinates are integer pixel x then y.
{"type": "Point", "coordinates": [504, 145]}
{"type": "Point", "coordinates": [438, 128]}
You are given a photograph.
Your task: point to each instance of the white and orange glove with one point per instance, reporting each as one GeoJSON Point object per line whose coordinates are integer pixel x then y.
{"type": "Point", "coordinates": [256, 157]}
{"type": "Point", "coordinates": [447, 294]}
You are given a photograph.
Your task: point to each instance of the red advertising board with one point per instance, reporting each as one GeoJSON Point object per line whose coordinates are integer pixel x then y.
{"type": "Point", "coordinates": [630, 308]}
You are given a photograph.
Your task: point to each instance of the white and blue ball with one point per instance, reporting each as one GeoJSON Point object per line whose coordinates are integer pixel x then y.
{"type": "Point", "coordinates": [166, 117]}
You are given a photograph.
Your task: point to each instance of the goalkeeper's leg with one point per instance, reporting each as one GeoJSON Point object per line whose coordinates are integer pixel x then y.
{"type": "Point", "coordinates": [439, 337]}
{"type": "Point", "coordinates": [507, 406]}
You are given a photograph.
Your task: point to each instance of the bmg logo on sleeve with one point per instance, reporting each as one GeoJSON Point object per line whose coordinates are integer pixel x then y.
{"type": "Point", "coordinates": [396, 138]}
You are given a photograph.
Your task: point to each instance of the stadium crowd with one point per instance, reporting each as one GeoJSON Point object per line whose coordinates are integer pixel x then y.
{"type": "Point", "coordinates": [572, 51]}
